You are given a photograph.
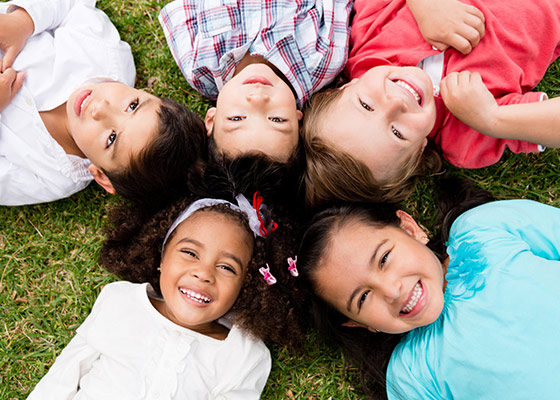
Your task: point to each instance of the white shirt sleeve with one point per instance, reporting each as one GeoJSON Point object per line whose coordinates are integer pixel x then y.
{"type": "Point", "coordinates": [63, 379]}
{"type": "Point", "coordinates": [47, 15]}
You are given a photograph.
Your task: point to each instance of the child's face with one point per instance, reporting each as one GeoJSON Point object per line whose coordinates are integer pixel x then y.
{"type": "Point", "coordinates": [203, 268]}
{"type": "Point", "coordinates": [382, 278]}
{"type": "Point", "coordinates": [382, 118]}
{"type": "Point", "coordinates": [111, 122]}
{"type": "Point", "coordinates": [255, 113]}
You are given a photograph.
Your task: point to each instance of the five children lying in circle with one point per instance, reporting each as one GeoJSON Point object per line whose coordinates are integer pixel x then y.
{"type": "Point", "coordinates": [71, 116]}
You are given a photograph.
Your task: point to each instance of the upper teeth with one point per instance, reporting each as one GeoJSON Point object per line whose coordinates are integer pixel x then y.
{"type": "Point", "coordinates": [195, 296]}
{"type": "Point", "coordinates": [410, 89]}
{"type": "Point", "coordinates": [417, 292]}
{"type": "Point", "coordinates": [83, 102]}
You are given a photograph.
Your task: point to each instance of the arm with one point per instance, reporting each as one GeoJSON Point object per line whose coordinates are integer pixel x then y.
{"type": "Point", "coordinates": [63, 379]}
{"type": "Point", "coordinates": [15, 28]}
{"type": "Point", "coordinates": [448, 23]}
{"type": "Point", "coordinates": [468, 99]}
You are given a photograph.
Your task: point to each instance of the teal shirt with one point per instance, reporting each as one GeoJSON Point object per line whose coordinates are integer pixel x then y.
{"type": "Point", "coordinates": [498, 336]}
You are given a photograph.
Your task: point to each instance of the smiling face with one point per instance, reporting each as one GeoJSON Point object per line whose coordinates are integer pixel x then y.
{"type": "Point", "coordinates": [385, 279]}
{"type": "Point", "coordinates": [255, 113]}
{"type": "Point", "coordinates": [382, 118]}
{"type": "Point", "coordinates": [203, 268]}
{"type": "Point", "coordinates": [112, 122]}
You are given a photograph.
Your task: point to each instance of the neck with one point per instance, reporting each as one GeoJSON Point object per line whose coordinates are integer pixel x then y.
{"type": "Point", "coordinates": [56, 122]}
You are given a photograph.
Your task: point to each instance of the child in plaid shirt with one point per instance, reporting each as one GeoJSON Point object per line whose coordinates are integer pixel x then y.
{"type": "Point", "coordinates": [261, 60]}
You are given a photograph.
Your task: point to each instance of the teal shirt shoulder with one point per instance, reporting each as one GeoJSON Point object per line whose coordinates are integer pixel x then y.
{"type": "Point", "coordinates": [497, 336]}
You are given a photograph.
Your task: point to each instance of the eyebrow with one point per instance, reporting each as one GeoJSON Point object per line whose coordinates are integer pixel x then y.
{"type": "Point", "coordinates": [141, 104]}
{"type": "Point", "coordinates": [371, 262]}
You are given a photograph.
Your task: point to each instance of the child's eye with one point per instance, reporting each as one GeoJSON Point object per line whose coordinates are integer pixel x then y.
{"type": "Point", "coordinates": [189, 253]}
{"type": "Point", "coordinates": [111, 139]}
{"type": "Point", "coordinates": [362, 298]}
{"type": "Point", "coordinates": [383, 259]}
{"type": "Point", "coordinates": [364, 105]}
{"type": "Point", "coordinates": [132, 106]}
{"type": "Point", "coordinates": [277, 119]}
{"type": "Point", "coordinates": [397, 133]}
{"type": "Point", "coordinates": [227, 268]}
{"type": "Point", "coordinates": [236, 118]}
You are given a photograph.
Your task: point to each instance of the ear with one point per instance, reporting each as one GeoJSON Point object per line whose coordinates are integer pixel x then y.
{"type": "Point", "coordinates": [299, 115]}
{"type": "Point", "coordinates": [353, 324]}
{"type": "Point", "coordinates": [424, 144]}
{"type": "Point", "coordinates": [410, 226]}
{"type": "Point", "coordinates": [101, 178]}
{"type": "Point", "coordinates": [209, 120]}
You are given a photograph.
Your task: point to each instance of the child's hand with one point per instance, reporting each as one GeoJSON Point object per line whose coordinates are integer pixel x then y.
{"type": "Point", "coordinates": [10, 84]}
{"type": "Point", "coordinates": [15, 28]}
{"type": "Point", "coordinates": [445, 23]}
{"type": "Point", "coordinates": [468, 99]}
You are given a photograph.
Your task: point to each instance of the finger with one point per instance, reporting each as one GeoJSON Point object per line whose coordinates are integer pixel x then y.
{"type": "Point", "coordinates": [476, 24]}
{"type": "Point", "coordinates": [440, 46]}
{"type": "Point", "coordinates": [460, 43]}
{"type": "Point", "coordinates": [7, 77]}
{"type": "Point", "coordinates": [476, 13]}
{"type": "Point", "coordinates": [9, 57]}
{"type": "Point", "coordinates": [18, 82]}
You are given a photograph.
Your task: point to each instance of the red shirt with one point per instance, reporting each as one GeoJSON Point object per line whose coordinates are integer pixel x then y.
{"type": "Point", "coordinates": [520, 42]}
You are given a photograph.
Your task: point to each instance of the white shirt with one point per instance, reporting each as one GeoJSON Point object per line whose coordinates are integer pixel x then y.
{"type": "Point", "coordinates": [72, 42]}
{"type": "Point", "coordinates": [126, 349]}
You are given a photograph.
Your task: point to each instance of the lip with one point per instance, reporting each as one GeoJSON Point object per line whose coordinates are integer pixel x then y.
{"type": "Point", "coordinates": [413, 86]}
{"type": "Point", "coordinates": [189, 299]}
{"type": "Point", "coordinates": [419, 305]}
{"type": "Point", "coordinates": [79, 100]}
{"type": "Point", "coordinates": [257, 79]}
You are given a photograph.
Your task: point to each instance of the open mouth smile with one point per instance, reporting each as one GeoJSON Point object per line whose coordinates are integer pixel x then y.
{"type": "Point", "coordinates": [412, 90]}
{"type": "Point", "coordinates": [192, 295]}
{"type": "Point", "coordinates": [413, 298]}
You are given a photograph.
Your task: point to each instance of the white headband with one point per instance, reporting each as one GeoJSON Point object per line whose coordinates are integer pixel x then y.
{"type": "Point", "coordinates": [243, 206]}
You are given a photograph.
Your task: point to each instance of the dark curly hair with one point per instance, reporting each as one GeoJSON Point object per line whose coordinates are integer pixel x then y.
{"type": "Point", "coordinates": [371, 352]}
{"type": "Point", "coordinates": [177, 155]}
{"type": "Point", "coordinates": [132, 251]}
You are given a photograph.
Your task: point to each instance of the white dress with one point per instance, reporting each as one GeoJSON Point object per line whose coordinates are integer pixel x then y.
{"type": "Point", "coordinates": [72, 43]}
{"type": "Point", "coordinates": [126, 349]}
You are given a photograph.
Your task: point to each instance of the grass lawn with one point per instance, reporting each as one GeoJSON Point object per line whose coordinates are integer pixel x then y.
{"type": "Point", "coordinates": [49, 277]}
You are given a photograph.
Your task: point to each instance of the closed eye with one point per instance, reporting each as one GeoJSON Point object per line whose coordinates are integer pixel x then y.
{"type": "Point", "coordinates": [365, 106]}
{"type": "Point", "coordinates": [133, 105]}
{"type": "Point", "coordinates": [111, 139]}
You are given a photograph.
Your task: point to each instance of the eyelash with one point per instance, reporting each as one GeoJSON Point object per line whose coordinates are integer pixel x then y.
{"type": "Point", "coordinates": [236, 118]}
{"type": "Point", "coordinates": [383, 260]}
{"type": "Point", "coordinates": [228, 268]}
{"type": "Point", "coordinates": [111, 139]}
{"type": "Point", "coordinates": [133, 105]}
{"type": "Point", "coordinates": [277, 118]}
{"type": "Point", "coordinates": [362, 298]}
{"type": "Point", "coordinates": [365, 106]}
{"type": "Point", "coordinates": [396, 133]}
{"type": "Point", "coordinates": [223, 266]}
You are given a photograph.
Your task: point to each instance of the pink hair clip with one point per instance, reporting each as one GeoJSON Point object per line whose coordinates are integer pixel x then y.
{"type": "Point", "coordinates": [268, 278]}
{"type": "Point", "coordinates": [292, 267]}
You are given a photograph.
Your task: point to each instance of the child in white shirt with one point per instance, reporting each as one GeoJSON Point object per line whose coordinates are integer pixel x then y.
{"type": "Point", "coordinates": [168, 339]}
{"type": "Point", "coordinates": [71, 106]}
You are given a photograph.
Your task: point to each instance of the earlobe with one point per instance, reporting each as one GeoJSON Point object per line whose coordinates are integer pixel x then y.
{"type": "Point", "coordinates": [299, 115]}
{"type": "Point", "coordinates": [101, 178]}
{"type": "Point", "coordinates": [209, 120]}
{"type": "Point", "coordinates": [410, 226]}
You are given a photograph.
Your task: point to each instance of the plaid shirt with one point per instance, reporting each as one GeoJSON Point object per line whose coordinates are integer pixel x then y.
{"type": "Point", "coordinates": [306, 40]}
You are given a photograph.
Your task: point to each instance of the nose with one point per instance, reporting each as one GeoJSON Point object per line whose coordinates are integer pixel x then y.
{"type": "Point", "coordinates": [390, 289]}
{"type": "Point", "coordinates": [100, 109]}
{"type": "Point", "coordinates": [258, 97]}
{"type": "Point", "coordinates": [204, 273]}
{"type": "Point", "coordinates": [394, 105]}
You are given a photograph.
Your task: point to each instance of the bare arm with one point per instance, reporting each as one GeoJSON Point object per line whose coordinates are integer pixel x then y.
{"type": "Point", "coordinates": [468, 99]}
{"type": "Point", "coordinates": [15, 28]}
{"type": "Point", "coordinates": [445, 23]}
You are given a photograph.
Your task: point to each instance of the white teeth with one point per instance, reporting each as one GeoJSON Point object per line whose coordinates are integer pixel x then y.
{"type": "Point", "coordinates": [195, 296]}
{"type": "Point", "coordinates": [409, 88]}
{"type": "Point", "coordinates": [83, 102]}
{"type": "Point", "coordinates": [414, 300]}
